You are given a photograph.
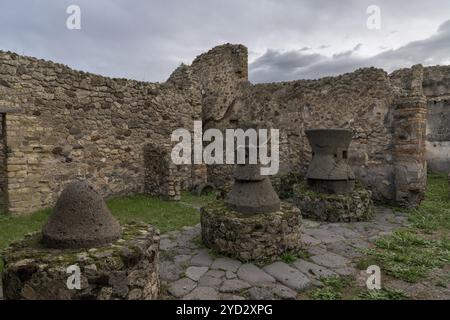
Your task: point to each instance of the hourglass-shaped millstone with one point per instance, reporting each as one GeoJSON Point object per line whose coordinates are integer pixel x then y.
{"type": "Point", "coordinates": [80, 219]}
{"type": "Point", "coordinates": [329, 171]}
{"type": "Point", "coordinates": [252, 193]}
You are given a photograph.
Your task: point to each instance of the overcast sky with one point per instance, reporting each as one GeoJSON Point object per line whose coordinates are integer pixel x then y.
{"type": "Point", "coordinates": [287, 39]}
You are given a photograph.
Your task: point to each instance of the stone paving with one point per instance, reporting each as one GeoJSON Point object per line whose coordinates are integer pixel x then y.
{"type": "Point", "coordinates": [190, 271]}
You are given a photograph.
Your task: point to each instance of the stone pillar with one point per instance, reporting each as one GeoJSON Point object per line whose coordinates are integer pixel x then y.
{"type": "Point", "coordinates": [410, 115]}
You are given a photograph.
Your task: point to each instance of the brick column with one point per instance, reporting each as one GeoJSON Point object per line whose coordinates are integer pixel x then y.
{"type": "Point", "coordinates": [410, 115]}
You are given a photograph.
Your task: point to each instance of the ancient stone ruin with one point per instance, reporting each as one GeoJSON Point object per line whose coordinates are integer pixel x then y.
{"type": "Point", "coordinates": [251, 224]}
{"type": "Point", "coordinates": [80, 219]}
{"type": "Point", "coordinates": [329, 171]}
{"type": "Point", "coordinates": [252, 193]}
{"type": "Point", "coordinates": [114, 262]}
{"type": "Point", "coordinates": [59, 125]}
{"type": "Point", "coordinates": [330, 193]}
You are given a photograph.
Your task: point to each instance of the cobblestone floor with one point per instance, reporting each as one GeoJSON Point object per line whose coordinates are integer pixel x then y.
{"type": "Point", "coordinates": [190, 271]}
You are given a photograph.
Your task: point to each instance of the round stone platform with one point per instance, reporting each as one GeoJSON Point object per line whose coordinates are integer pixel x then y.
{"type": "Point", "coordinates": [259, 238]}
{"type": "Point", "coordinates": [125, 269]}
{"type": "Point", "coordinates": [354, 206]}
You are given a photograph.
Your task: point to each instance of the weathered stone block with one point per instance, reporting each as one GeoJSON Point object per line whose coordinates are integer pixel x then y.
{"type": "Point", "coordinates": [125, 269]}
{"type": "Point", "coordinates": [261, 238]}
{"type": "Point", "coordinates": [354, 206]}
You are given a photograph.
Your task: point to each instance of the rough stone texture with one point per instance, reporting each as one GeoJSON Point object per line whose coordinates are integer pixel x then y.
{"type": "Point", "coordinates": [202, 293]}
{"type": "Point", "coordinates": [253, 197]}
{"type": "Point", "coordinates": [182, 287]}
{"type": "Point", "coordinates": [288, 276]}
{"type": "Point", "coordinates": [80, 219]}
{"type": "Point", "coordinates": [330, 260]}
{"type": "Point", "coordinates": [436, 87]}
{"type": "Point", "coordinates": [410, 114]}
{"type": "Point", "coordinates": [368, 101]}
{"type": "Point", "coordinates": [79, 125]}
{"type": "Point", "coordinates": [330, 238]}
{"type": "Point", "coordinates": [354, 206]}
{"type": "Point", "coordinates": [202, 259]}
{"type": "Point", "coordinates": [234, 285]}
{"type": "Point", "coordinates": [226, 264]}
{"type": "Point", "coordinates": [261, 238]}
{"type": "Point", "coordinates": [254, 275]}
{"type": "Point", "coordinates": [3, 175]}
{"type": "Point", "coordinates": [125, 269]}
{"type": "Point", "coordinates": [312, 269]}
{"type": "Point", "coordinates": [162, 177]}
{"type": "Point", "coordinates": [195, 273]}
{"type": "Point", "coordinates": [329, 171]}
{"type": "Point", "coordinates": [251, 193]}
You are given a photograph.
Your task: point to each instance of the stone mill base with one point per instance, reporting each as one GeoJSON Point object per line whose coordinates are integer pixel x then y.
{"type": "Point", "coordinates": [350, 207]}
{"type": "Point", "coordinates": [260, 238]}
{"type": "Point", "coordinates": [125, 269]}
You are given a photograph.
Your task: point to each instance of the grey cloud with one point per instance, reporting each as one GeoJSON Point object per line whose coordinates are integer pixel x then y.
{"type": "Point", "coordinates": [148, 39]}
{"type": "Point", "coordinates": [276, 66]}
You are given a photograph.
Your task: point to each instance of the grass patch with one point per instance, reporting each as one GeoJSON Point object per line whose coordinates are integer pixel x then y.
{"type": "Point", "coordinates": [433, 213]}
{"type": "Point", "coordinates": [332, 289]}
{"type": "Point", "coordinates": [13, 228]}
{"type": "Point", "coordinates": [408, 254]}
{"type": "Point", "coordinates": [165, 215]}
{"type": "Point", "coordinates": [383, 294]}
{"type": "Point", "coordinates": [291, 256]}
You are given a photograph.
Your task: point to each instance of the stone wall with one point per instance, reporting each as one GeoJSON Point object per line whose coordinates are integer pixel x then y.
{"type": "Point", "coordinates": [362, 100]}
{"type": "Point", "coordinates": [79, 125]}
{"type": "Point", "coordinates": [374, 104]}
{"type": "Point", "coordinates": [436, 86]}
{"type": "Point", "coordinates": [74, 124]}
{"type": "Point", "coordinates": [3, 180]}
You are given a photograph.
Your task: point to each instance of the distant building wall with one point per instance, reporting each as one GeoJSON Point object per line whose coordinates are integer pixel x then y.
{"type": "Point", "coordinates": [436, 86]}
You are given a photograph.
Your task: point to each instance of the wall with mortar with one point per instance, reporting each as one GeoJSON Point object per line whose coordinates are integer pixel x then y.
{"type": "Point", "coordinates": [78, 125]}
{"type": "Point", "coordinates": [368, 101]}
{"type": "Point", "coordinates": [361, 100]}
{"type": "Point", "coordinates": [436, 86]}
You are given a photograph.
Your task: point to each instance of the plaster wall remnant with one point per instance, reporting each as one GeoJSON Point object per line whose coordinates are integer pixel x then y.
{"type": "Point", "coordinates": [79, 125]}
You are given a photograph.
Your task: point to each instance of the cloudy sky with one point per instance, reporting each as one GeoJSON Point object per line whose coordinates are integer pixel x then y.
{"type": "Point", "coordinates": [287, 39]}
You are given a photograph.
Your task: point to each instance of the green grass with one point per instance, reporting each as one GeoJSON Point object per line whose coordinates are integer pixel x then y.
{"type": "Point", "coordinates": [12, 228]}
{"type": "Point", "coordinates": [408, 254]}
{"type": "Point", "coordinates": [383, 294]}
{"type": "Point", "coordinates": [340, 288]}
{"type": "Point", "coordinates": [434, 212]}
{"type": "Point", "coordinates": [165, 215]}
{"type": "Point", "coordinates": [332, 288]}
{"type": "Point", "coordinates": [291, 256]}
